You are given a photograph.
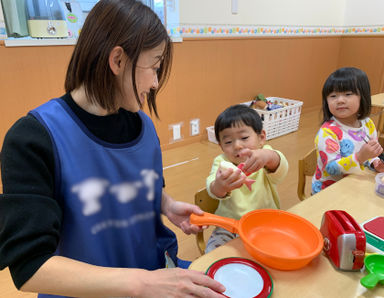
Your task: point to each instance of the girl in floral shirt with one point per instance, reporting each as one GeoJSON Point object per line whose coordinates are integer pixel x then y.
{"type": "Point", "coordinates": [347, 140]}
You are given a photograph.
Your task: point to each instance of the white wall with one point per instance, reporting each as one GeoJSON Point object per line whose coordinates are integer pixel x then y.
{"type": "Point", "coordinates": [364, 12]}
{"type": "Point", "coordinates": [266, 12]}
{"type": "Point", "coordinates": [284, 12]}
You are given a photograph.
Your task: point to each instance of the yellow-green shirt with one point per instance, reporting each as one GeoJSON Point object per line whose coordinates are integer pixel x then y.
{"type": "Point", "coordinates": [263, 195]}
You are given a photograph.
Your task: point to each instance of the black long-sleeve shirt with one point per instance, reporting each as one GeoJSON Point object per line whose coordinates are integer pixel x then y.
{"type": "Point", "coordinates": [30, 216]}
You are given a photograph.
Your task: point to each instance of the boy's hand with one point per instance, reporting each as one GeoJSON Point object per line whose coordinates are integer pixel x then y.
{"type": "Point", "coordinates": [369, 150]}
{"type": "Point", "coordinates": [260, 158]}
{"type": "Point", "coordinates": [254, 159]}
{"type": "Point", "coordinates": [226, 180]}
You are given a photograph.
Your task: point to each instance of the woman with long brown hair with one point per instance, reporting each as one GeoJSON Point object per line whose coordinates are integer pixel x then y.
{"type": "Point", "coordinates": [83, 188]}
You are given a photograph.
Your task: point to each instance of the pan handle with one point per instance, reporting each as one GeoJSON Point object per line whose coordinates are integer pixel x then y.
{"type": "Point", "coordinates": [369, 281]}
{"type": "Point", "coordinates": [229, 224]}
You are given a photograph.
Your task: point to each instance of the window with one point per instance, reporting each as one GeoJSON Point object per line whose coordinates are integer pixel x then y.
{"type": "Point", "coordinates": [156, 5]}
{"type": "Point", "coordinates": [86, 5]}
{"type": "Point", "coordinates": [27, 22]}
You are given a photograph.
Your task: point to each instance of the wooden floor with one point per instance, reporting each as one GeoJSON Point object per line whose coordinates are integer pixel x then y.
{"type": "Point", "coordinates": [187, 167]}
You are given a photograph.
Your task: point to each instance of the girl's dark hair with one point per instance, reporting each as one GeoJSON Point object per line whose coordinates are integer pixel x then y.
{"type": "Point", "coordinates": [125, 23]}
{"type": "Point", "coordinates": [348, 79]}
{"type": "Point", "coordinates": [237, 115]}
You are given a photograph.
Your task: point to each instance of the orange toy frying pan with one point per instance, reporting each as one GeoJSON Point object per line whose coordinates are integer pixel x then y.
{"type": "Point", "coordinates": [276, 238]}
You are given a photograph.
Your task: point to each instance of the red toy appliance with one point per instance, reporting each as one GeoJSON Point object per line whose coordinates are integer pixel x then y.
{"type": "Point", "coordinates": [344, 240]}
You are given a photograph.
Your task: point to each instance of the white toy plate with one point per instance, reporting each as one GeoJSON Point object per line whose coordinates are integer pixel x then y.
{"type": "Point", "coordinates": [242, 278]}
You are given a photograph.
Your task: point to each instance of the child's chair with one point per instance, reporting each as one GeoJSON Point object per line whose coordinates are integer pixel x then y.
{"type": "Point", "coordinates": [207, 204]}
{"type": "Point", "coordinates": [307, 167]}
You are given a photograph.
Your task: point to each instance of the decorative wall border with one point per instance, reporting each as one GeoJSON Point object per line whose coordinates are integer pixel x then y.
{"type": "Point", "coordinates": [186, 30]}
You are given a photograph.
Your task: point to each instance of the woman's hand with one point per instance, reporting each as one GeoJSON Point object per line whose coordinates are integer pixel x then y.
{"type": "Point", "coordinates": [178, 213]}
{"type": "Point", "coordinates": [67, 277]}
{"type": "Point", "coordinates": [178, 283]}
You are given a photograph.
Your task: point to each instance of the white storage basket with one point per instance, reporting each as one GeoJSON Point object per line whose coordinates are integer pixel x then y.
{"type": "Point", "coordinates": [276, 122]}
{"type": "Point", "coordinates": [281, 121]}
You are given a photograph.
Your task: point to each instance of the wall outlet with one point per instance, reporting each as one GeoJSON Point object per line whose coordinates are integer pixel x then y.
{"type": "Point", "coordinates": [176, 131]}
{"type": "Point", "coordinates": [195, 127]}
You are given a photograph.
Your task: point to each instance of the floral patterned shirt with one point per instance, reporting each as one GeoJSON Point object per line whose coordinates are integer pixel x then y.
{"type": "Point", "coordinates": [336, 147]}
